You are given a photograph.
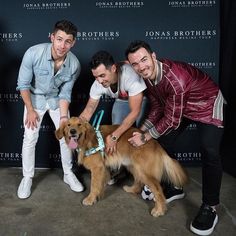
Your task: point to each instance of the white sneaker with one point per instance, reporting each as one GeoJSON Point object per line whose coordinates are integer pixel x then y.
{"type": "Point", "coordinates": [73, 182]}
{"type": "Point", "coordinates": [24, 189]}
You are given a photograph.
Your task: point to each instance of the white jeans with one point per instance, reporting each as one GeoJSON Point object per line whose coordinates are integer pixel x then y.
{"type": "Point", "coordinates": [30, 139]}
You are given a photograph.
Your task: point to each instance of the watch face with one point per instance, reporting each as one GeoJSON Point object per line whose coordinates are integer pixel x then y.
{"type": "Point", "coordinates": [113, 138]}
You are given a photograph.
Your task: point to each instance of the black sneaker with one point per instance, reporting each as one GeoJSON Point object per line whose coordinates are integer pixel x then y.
{"type": "Point", "coordinates": [205, 221]}
{"type": "Point", "coordinates": [173, 193]}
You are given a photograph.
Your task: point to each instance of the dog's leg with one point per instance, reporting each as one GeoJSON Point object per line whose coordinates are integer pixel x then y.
{"type": "Point", "coordinates": [160, 201]}
{"type": "Point", "coordinates": [135, 188]}
{"type": "Point", "coordinates": [137, 185]}
{"type": "Point", "coordinates": [99, 178]}
{"type": "Point", "coordinates": [80, 156]}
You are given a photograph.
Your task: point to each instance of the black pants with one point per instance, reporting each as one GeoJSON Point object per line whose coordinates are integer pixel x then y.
{"type": "Point", "coordinates": [209, 139]}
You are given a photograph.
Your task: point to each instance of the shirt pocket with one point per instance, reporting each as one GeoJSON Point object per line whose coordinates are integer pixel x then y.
{"type": "Point", "coordinates": [41, 78]}
{"type": "Point", "coordinates": [41, 72]}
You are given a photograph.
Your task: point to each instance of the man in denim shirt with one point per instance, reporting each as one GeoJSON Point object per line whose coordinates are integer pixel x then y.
{"type": "Point", "coordinates": [46, 78]}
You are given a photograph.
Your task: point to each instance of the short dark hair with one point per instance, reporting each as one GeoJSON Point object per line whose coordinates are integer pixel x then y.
{"type": "Point", "coordinates": [66, 26]}
{"type": "Point", "coordinates": [136, 45]}
{"type": "Point", "coordinates": [101, 57]}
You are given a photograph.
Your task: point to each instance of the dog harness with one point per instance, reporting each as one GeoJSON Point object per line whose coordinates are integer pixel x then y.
{"type": "Point", "coordinates": [100, 140]}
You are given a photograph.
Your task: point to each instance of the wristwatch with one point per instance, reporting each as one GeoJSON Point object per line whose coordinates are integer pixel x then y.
{"type": "Point", "coordinates": [114, 138]}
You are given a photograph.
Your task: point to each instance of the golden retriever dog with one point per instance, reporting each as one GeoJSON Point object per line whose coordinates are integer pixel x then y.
{"type": "Point", "coordinates": [148, 164]}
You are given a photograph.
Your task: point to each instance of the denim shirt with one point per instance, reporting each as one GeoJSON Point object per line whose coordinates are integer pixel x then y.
{"type": "Point", "coordinates": [37, 75]}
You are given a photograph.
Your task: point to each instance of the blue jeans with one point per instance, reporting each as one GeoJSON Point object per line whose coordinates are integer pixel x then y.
{"type": "Point", "coordinates": [121, 109]}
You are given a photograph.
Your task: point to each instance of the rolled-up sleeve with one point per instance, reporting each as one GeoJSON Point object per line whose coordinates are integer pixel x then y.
{"type": "Point", "coordinates": [25, 73]}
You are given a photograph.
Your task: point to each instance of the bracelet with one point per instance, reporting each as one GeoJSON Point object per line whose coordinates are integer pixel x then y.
{"type": "Point", "coordinates": [63, 117]}
{"type": "Point", "coordinates": [143, 138]}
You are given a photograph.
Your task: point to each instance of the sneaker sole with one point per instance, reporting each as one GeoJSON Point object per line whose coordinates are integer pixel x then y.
{"type": "Point", "coordinates": [23, 197]}
{"type": "Point", "coordinates": [204, 232]}
{"type": "Point", "coordinates": [176, 197]}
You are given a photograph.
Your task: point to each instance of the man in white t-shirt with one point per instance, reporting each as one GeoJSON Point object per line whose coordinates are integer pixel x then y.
{"type": "Point", "coordinates": [121, 82]}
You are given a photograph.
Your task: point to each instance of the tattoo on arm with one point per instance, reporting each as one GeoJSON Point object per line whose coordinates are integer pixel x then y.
{"type": "Point", "coordinates": [83, 118]}
{"type": "Point", "coordinates": [143, 138]}
{"type": "Point", "coordinates": [91, 107]}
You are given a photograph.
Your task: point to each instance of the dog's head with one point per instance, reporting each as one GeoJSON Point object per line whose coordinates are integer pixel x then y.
{"type": "Point", "coordinates": [77, 133]}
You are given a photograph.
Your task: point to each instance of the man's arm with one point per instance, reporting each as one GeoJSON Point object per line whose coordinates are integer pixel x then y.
{"type": "Point", "coordinates": [64, 108]}
{"type": "Point", "coordinates": [135, 103]}
{"type": "Point", "coordinates": [89, 109]}
{"type": "Point", "coordinates": [171, 119]}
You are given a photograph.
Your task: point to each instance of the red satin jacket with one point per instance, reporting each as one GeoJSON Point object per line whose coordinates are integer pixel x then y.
{"type": "Point", "coordinates": [181, 90]}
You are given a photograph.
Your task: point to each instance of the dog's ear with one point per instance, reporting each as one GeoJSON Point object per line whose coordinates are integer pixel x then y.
{"type": "Point", "coordinates": [88, 137]}
{"type": "Point", "coordinates": [59, 133]}
{"type": "Point", "coordinates": [90, 133]}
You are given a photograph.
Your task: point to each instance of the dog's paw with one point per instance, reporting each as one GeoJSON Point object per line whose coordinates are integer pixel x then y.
{"type": "Point", "coordinates": [89, 201]}
{"type": "Point", "coordinates": [127, 188]}
{"type": "Point", "coordinates": [158, 212]}
{"type": "Point", "coordinates": [132, 189]}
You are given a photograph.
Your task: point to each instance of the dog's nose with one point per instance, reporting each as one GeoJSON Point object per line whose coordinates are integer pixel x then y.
{"type": "Point", "coordinates": [73, 131]}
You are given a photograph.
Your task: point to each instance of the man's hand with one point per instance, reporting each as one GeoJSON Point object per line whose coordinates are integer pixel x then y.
{"type": "Point", "coordinates": [138, 139]}
{"type": "Point", "coordinates": [110, 145]}
{"type": "Point", "coordinates": [31, 120]}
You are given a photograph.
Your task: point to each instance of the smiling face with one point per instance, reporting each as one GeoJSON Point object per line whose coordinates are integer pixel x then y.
{"type": "Point", "coordinates": [105, 76]}
{"type": "Point", "coordinates": [144, 63]}
{"type": "Point", "coordinates": [61, 44]}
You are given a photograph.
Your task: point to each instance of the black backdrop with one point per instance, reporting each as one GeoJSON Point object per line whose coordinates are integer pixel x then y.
{"type": "Point", "coordinates": [180, 30]}
{"type": "Point", "coordinates": [228, 81]}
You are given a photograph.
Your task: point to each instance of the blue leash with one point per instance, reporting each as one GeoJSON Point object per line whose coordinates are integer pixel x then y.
{"type": "Point", "coordinates": [100, 114]}
{"type": "Point", "coordinates": [101, 145]}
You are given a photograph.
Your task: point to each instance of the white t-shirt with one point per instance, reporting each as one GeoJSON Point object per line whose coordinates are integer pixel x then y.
{"type": "Point", "coordinates": [129, 84]}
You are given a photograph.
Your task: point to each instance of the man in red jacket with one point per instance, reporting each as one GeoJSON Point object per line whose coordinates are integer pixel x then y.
{"type": "Point", "coordinates": [180, 94]}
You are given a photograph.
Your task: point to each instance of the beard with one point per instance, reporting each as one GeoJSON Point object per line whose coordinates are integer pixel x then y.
{"type": "Point", "coordinates": [146, 74]}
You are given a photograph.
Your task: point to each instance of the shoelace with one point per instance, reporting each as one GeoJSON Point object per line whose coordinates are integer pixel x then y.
{"type": "Point", "coordinates": [73, 178]}
{"type": "Point", "coordinates": [204, 212]}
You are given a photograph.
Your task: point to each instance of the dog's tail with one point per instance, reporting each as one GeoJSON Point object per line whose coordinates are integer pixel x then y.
{"type": "Point", "coordinates": [173, 171]}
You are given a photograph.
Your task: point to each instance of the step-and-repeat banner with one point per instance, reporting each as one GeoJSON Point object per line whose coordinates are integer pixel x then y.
{"type": "Point", "coordinates": [179, 30]}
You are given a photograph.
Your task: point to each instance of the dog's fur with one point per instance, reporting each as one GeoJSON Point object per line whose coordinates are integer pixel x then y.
{"type": "Point", "coordinates": [148, 164]}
